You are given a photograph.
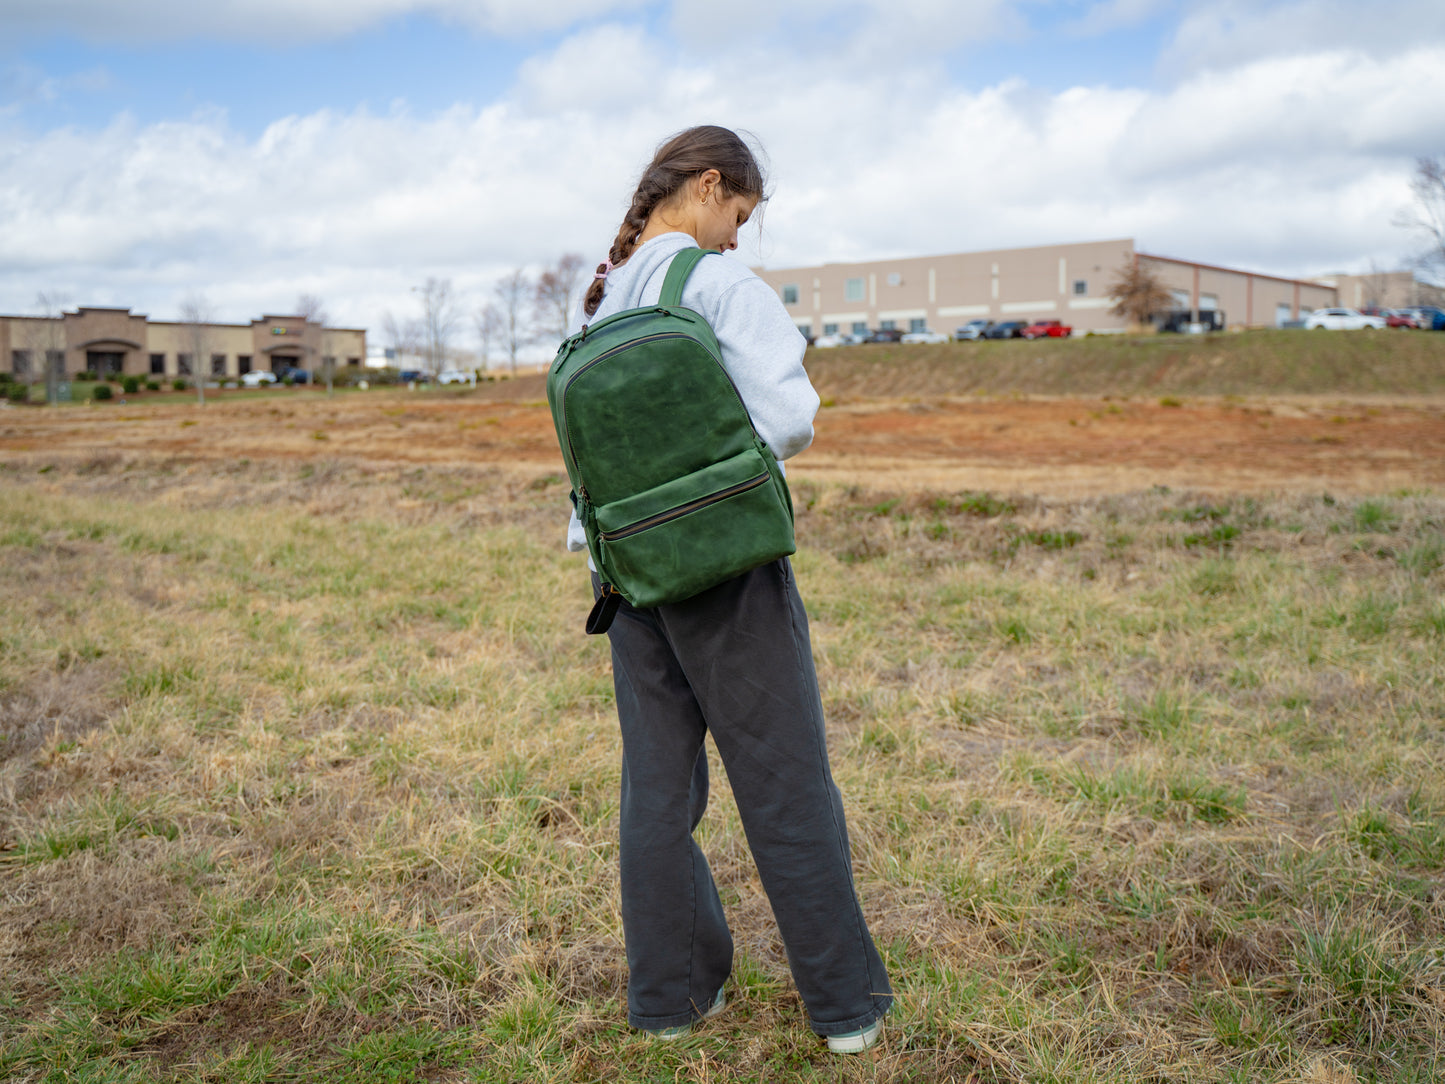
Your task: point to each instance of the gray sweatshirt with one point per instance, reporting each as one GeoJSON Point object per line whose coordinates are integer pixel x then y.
{"type": "Point", "coordinates": [762, 349]}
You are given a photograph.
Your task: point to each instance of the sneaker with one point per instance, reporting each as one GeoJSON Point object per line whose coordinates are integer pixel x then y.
{"type": "Point", "coordinates": [855, 1042]}
{"type": "Point", "coordinates": [668, 1035]}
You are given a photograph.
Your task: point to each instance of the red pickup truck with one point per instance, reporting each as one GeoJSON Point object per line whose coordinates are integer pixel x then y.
{"type": "Point", "coordinates": [1046, 329]}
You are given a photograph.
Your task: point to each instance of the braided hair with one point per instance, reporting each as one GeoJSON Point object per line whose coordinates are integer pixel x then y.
{"type": "Point", "coordinates": [683, 157]}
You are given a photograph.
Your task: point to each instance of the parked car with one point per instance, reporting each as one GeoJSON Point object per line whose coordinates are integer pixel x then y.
{"type": "Point", "coordinates": [256, 377]}
{"type": "Point", "coordinates": [1008, 329]}
{"type": "Point", "coordinates": [1046, 329]}
{"type": "Point", "coordinates": [884, 335]}
{"type": "Point", "coordinates": [1431, 318]}
{"type": "Point", "coordinates": [1400, 318]}
{"type": "Point", "coordinates": [974, 329]}
{"type": "Point", "coordinates": [1192, 322]}
{"type": "Point", "coordinates": [412, 376]}
{"type": "Point", "coordinates": [456, 376]}
{"type": "Point", "coordinates": [826, 341]}
{"type": "Point", "coordinates": [1341, 320]}
{"type": "Point", "coordinates": [924, 336]}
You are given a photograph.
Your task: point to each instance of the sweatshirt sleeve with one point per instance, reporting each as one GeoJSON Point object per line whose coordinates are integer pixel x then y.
{"type": "Point", "coordinates": [762, 351]}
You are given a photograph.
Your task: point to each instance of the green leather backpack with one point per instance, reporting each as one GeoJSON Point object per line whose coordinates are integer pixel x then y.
{"type": "Point", "coordinates": [674, 488]}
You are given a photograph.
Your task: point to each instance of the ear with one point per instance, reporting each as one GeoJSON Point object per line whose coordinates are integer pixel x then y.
{"type": "Point", "coordinates": [707, 182]}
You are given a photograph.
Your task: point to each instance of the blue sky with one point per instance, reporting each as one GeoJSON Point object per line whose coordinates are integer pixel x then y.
{"type": "Point", "coordinates": [251, 150]}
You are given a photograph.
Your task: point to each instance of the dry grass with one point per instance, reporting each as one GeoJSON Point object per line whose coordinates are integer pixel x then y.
{"type": "Point", "coordinates": [1253, 363]}
{"type": "Point", "coordinates": [309, 774]}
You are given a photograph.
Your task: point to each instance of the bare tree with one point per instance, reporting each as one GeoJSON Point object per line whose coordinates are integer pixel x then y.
{"type": "Point", "coordinates": [1427, 217]}
{"type": "Point", "coordinates": [310, 308]}
{"type": "Point", "coordinates": [197, 318]}
{"type": "Point", "coordinates": [1137, 293]}
{"type": "Point", "coordinates": [488, 321]}
{"type": "Point", "coordinates": [438, 321]}
{"type": "Point", "coordinates": [559, 288]}
{"type": "Point", "coordinates": [403, 336]}
{"type": "Point", "coordinates": [1377, 286]}
{"type": "Point", "coordinates": [513, 293]}
{"type": "Point", "coordinates": [47, 342]}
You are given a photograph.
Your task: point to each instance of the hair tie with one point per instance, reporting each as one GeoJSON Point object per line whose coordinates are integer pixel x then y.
{"type": "Point", "coordinates": [602, 269]}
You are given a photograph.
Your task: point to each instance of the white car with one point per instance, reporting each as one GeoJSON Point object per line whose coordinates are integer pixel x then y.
{"type": "Point", "coordinates": [456, 376]}
{"type": "Point", "coordinates": [256, 377]}
{"type": "Point", "coordinates": [825, 341]}
{"type": "Point", "coordinates": [974, 329]}
{"type": "Point", "coordinates": [1342, 320]}
{"type": "Point", "coordinates": [924, 336]}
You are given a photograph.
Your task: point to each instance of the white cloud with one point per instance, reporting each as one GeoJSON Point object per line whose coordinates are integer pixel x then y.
{"type": "Point", "coordinates": [22, 85]}
{"type": "Point", "coordinates": [1223, 34]}
{"type": "Point", "coordinates": [288, 20]}
{"type": "Point", "coordinates": [876, 33]}
{"type": "Point", "coordinates": [1107, 15]}
{"type": "Point", "coordinates": [1294, 164]}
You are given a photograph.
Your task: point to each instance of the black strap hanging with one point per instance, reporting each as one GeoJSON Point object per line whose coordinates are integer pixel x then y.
{"type": "Point", "coordinates": [603, 610]}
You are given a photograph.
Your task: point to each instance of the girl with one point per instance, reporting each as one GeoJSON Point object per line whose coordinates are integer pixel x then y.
{"type": "Point", "coordinates": [734, 661]}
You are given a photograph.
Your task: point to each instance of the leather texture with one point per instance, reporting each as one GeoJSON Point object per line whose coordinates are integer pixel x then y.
{"type": "Point", "coordinates": [674, 488]}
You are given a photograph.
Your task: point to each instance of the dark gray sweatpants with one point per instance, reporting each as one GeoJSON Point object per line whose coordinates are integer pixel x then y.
{"type": "Point", "coordinates": [735, 661]}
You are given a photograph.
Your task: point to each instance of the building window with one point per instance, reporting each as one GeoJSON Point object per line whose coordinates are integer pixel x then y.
{"type": "Point", "coordinates": [218, 364]}
{"type": "Point", "coordinates": [243, 364]}
{"type": "Point", "coordinates": [805, 330]}
{"type": "Point", "coordinates": [860, 327]}
{"type": "Point", "coordinates": [853, 290]}
{"type": "Point", "coordinates": [790, 294]}
{"type": "Point", "coordinates": [1081, 287]}
{"type": "Point", "coordinates": [918, 323]}
{"type": "Point", "coordinates": [183, 364]}
{"type": "Point", "coordinates": [895, 279]}
{"type": "Point", "coordinates": [353, 362]}
{"type": "Point", "coordinates": [20, 362]}
{"type": "Point", "coordinates": [886, 325]}
{"type": "Point", "coordinates": [830, 329]}
{"type": "Point", "coordinates": [158, 364]}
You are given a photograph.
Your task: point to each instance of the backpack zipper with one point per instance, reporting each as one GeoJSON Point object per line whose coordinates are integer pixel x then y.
{"type": "Point", "coordinates": [562, 403]}
{"type": "Point", "coordinates": [683, 509]}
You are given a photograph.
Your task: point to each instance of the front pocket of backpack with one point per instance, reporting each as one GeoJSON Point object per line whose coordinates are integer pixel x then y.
{"type": "Point", "coordinates": [680, 538]}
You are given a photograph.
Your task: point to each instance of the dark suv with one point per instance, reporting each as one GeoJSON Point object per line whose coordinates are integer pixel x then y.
{"type": "Point", "coordinates": [1009, 329]}
{"type": "Point", "coordinates": [885, 335]}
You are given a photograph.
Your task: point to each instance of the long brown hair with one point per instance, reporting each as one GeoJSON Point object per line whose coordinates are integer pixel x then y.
{"type": "Point", "coordinates": [681, 158]}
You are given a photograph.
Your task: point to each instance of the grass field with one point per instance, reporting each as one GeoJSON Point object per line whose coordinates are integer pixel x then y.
{"type": "Point", "coordinates": [1252, 363]}
{"type": "Point", "coordinates": [308, 773]}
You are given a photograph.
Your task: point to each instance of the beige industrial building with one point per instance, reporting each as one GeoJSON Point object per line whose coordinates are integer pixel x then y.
{"type": "Point", "coordinates": [1069, 283]}
{"type": "Point", "coordinates": [119, 342]}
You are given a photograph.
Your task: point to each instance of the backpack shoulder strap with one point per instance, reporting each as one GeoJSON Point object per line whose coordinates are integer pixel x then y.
{"type": "Point", "coordinates": [677, 272]}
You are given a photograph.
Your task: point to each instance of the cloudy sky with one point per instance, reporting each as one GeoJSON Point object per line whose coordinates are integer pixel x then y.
{"type": "Point", "coordinates": [252, 150]}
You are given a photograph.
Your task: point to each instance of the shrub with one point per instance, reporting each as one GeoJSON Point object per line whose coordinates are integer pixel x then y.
{"type": "Point", "coordinates": [101, 391]}
{"type": "Point", "coordinates": [17, 393]}
{"type": "Point", "coordinates": [85, 374]}
{"type": "Point", "coordinates": [152, 385]}
{"type": "Point", "coordinates": [178, 384]}
{"type": "Point", "coordinates": [130, 384]}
